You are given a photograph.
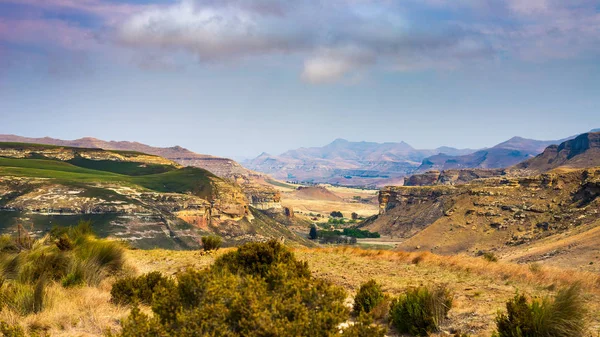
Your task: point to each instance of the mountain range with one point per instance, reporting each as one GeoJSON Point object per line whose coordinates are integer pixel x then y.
{"type": "Point", "coordinates": [377, 164]}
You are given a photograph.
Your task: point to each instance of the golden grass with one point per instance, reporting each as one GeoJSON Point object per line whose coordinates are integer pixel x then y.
{"type": "Point", "coordinates": [480, 287]}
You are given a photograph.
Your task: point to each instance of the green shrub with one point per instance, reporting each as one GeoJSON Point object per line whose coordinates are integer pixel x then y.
{"type": "Point", "coordinates": [490, 257]}
{"type": "Point", "coordinates": [368, 297]}
{"type": "Point", "coordinates": [211, 242]}
{"type": "Point", "coordinates": [23, 298]}
{"type": "Point", "coordinates": [72, 256]}
{"type": "Point", "coordinates": [561, 317]}
{"type": "Point", "coordinates": [256, 290]}
{"type": "Point", "coordinates": [11, 330]}
{"type": "Point", "coordinates": [420, 311]}
{"type": "Point", "coordinates": [133, 289]}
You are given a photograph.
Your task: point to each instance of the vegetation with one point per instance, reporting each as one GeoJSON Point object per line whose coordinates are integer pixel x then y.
{"type": "Point", "coordinates": [354, 216]}
{"type": "Point", "coordinates": [368, 297]}
{"type": "Point", "coordinates": [131, 290]}
{"type": "Point", "coordinates": [420, 311]}
{"type": "Point", "coordinates": [71, 256]}
{"type": "Point", "coordinates": [490, 257]}
{"type": "Point", "coordinates": [259, 289]}
{"type": "Point", "coordinates": [313, 234]}
{"type": "Point", "coordinates": [211, 242]}
{"type": "Point", "coordinates": [564, 316]}
{"type": "Point", "coordinates": [185, 180]}
{"type": "Point", "coordinates": [336, 214]}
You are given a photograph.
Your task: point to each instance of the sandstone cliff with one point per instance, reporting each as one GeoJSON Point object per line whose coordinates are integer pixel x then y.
{"type": "Point", "coordinates": [492, 213]}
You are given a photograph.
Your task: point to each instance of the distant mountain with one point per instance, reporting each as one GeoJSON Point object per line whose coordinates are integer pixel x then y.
{"type": "Point", "coordinates": [505, 154]}
{"type": "Point", "coordinates": [581, 152]}
{"type": "Point", "coordinates": [347, 163]}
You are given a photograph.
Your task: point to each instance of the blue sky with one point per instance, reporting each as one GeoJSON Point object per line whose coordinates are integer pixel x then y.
{"type": "Point", "coordinates": [239, 77]}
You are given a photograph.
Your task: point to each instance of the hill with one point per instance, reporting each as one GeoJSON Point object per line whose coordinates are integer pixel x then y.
{"type": "Point", "coordinates": [582, 151]}
{"type": "Point", "coordinates": [505, 154]}
{"type": "Point", "coordinates": [147, 200]}
{"type": "Point", "coordinates": [502, 214]}
{"type": "Point", "coordinates": [260, 193]}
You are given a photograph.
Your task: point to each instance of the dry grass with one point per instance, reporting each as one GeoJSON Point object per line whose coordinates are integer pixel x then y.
{"type": "Point", "coordinates": [481, 288]}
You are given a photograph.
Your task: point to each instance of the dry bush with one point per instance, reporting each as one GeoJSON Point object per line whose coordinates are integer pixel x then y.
{"type": "Point", "coordinates": [563, 316]}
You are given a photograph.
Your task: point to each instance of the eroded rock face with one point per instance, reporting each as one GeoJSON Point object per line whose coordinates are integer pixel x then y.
{"type": "Point", "coordinates": [489, 212]}
{"type": "Point", "coordinates": [66, 154]}
{"type": "Point", "coordinates": [451, 177]}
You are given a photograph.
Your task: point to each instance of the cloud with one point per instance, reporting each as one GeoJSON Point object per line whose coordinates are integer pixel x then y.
{"type": "Point", "coordinates": [330, 65]}
{"type": "Point", "coordinates": [334, 39]}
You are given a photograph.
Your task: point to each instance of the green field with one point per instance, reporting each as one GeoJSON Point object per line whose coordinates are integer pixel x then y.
{"type": "Point", "coordinates": [183, 180]}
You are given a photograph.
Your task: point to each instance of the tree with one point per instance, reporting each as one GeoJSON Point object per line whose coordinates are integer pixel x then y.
{"type": "Point", "coordinates": [336, 214]}
{"type": "Point", "coordinates": [354, 216]}
{"type": "Point", "coordinates": [313, 233]}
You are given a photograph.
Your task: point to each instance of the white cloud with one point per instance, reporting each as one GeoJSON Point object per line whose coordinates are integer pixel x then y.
{"type": "Point", "coordinates": [341, 37]}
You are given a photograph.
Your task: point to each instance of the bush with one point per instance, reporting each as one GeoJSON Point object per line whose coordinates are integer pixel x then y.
{"type": "Point", "coordinates": [368, 297]}
{"type": "Point", "coordinates": [420, 311]}
{"type": "Point", "coordinates": [561, 317]}
{"type": "Point", "coordinates": [23, 298]}
{"type": "Point", "coordinates": [490, 257]}
{"type": "Point", "coordinates": [258, 290]}
{"type": "Point", "coordinates": [11, 330]}
{"type": "Point", "coordinates": [336, 214]}
{"type": "Point", "coordinates": [313, 234]}
{"type": "Point", "coordinates": [71, 256]}
{"type": "Point", "coordinates": [133, 289]}
{"type": "Point", "coordinates": [211, 242]}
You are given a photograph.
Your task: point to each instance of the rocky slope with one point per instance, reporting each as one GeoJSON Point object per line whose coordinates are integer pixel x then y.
{"type": "Point", "coordinates": [498, 213]}
{"type": "Point", "coordinates": [148, 200]}
{"type": "Point", "coordinates": [259, 192]}
{"type": "Point", "coordinates": [582, 151]}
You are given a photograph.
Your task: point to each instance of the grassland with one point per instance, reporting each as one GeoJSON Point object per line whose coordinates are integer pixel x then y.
{"type": "Point", "coordinates": [480, 287]}
{"type": "Point", "coordinates": [184, 180]}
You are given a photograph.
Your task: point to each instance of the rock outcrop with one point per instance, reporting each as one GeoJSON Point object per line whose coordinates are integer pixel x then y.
{"type": "Point", "coordinates": [582, 151]}
{"type": "Point", "coordinates": [488, 213]}
{"type": "Point", "coordinates": [252, 182]}
{"type": "Point", "coordinates": [451, 177]}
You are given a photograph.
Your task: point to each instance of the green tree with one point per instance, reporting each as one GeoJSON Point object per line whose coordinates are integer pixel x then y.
{"type": "Point", "coordinates": [313, 233]}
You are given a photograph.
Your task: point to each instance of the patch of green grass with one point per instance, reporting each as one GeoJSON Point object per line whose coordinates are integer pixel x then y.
{"type": "Point", "coordinates": [280, 184]}
{"type": "Point", "coordinates": [185, 180]}
{"type": "Point", "coordinates": [121, 167]}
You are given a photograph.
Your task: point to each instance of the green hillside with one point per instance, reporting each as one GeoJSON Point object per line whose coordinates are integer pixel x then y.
{"type": "Point", "coordinates": [183, 180]}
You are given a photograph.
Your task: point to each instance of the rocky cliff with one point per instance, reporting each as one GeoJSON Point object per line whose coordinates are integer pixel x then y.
{"type": "Point", "coordinates": [451, 177]}
{"type": "Point", "coordinates": [582, 151]}
{"type": "Point", "coordinates": [148, 200]}
{"type": "Point", "coordinates": [492, 213]}
{"type": "Point", "coordinates": [252, 182]}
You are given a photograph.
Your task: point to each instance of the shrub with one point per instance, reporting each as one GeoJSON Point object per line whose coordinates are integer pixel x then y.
{"type": "Point", "coordinates": [256, 290]}
{"type": "Point", "coordinates": [490, 257]}
{"type": "Point", "coordinates": [420, 311]}
{"type": "Point", "coordinates": [132, 289]}
{"type": "Point", "coordinates": [23, 298]}
{"type": "Point", "coordinates": [313, 234]}
{"type": "Point", "coordinates": [561, 317]}
{"type": "Point", "coordinates": [211, 242]}
{"type": "Point", "coordinates": [11, 330]}
{"type": "Point", "coordinates": [336, 214]}
{"type": "Point", "coordinates": [368, 297]}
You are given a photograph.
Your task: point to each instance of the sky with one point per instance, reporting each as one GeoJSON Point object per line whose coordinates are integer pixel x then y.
{"type": "Point", "coordinates": [236, 78]}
